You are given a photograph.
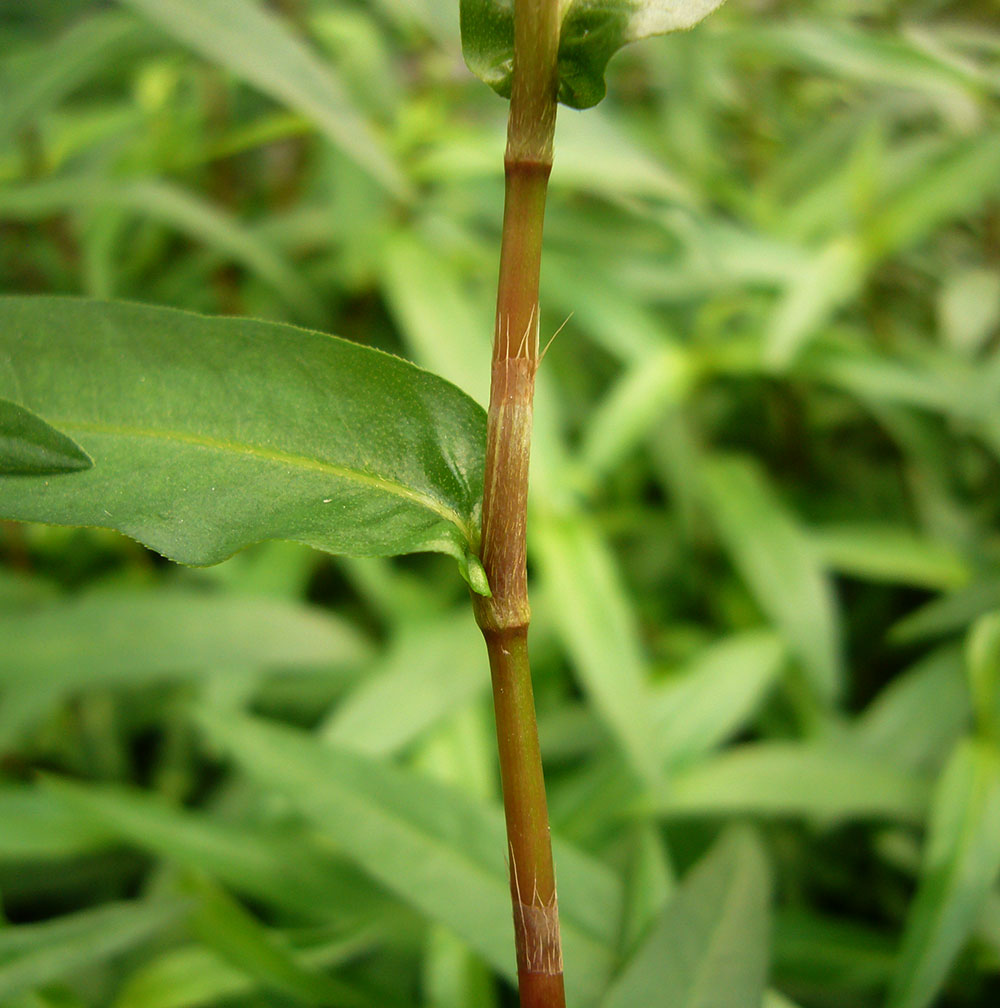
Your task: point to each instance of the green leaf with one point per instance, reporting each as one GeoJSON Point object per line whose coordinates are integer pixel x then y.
{"type": "Point", "coordinates": [983, 657]}
{"type": "Point", "coordinates": [780, 566]}
{"type": "Point", "coordinates": [592, 32]}
{"type": "Point", "coordinates": [209, 434]}
{"type": "Point", "coordinates": [710, 947]}
{"type": "Point", "coordinates": [956, 183]}
{"type": "Point", "coordinates": [488, 41]}
{"type": "Point", "coordinates": [437, 849]}
{"type": "Point", "coordinates": [279, 868]}
{"type": "Point", "coordinates": [41, 78]}
{"type": "Point", "coordinates": [433, 669]}
{"type": "Point", "coordinates": [129, 639]}
{"type": "Point", "coordinates": [595, 619]}
{"type": "Point", "coordinates": [715, 696]}
{"type": "Point", "coordinates": [175, 208]}
{"type": "Point", "coordinates": [38, 827]}
{"type": "Point", "coordinates": [933, 694]}
{"type": "Point", "coordinates": [29, 446]}
{"type": "Point", "coordinates": [961, 865]}
{"type": "Point", "coordinates": [890, 553]}
{"type": "Point", "coordinates": [257, 45]}
{"type": "Point", "coordinates": [948, 613]}
{"type": "Point", "coordinates": [794, 779]}
{"type": "Point", "coordinates": [234, 934]}
{"type": "Point", "coordinates": [648, 389]}
{"type": "Point", "coordinates": [35, 954]}
{"type": "Point", "coordinates": [192, 976]}
{"type": "Point", "coordinates": [823, 953]}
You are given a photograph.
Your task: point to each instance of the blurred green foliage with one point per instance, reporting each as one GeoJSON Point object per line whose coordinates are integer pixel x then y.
{"type": "Point", "coordinates": [765, 540]}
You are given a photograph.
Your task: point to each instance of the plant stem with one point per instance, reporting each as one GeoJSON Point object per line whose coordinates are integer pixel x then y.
{"type": "Point", "coordinates": [504, 618]}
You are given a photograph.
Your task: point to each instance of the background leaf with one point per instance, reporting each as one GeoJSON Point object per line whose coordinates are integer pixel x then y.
{"type": "Point", "coordinates": [593, 31]}
{"type": "Point", "coordinates": [779, 565]}
{"type": "Point", "coordinates": [437, 850]}
{"type": "Point", "coordinates": [785, 779]}
{"type": "Point", "coordinates": [60, 650]}
{"type": "Point", "coordinates": [248, 39]}
{"type": "Point", "coordinates": [33, 954]}
{"type": "Point", "coordinates": [710, 946]}
{"type": "Point", "coordinates": [960, 867]}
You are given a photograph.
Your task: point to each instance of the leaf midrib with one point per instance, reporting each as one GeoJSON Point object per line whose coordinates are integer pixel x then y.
{"type": "Point", "coordinates": [731, 903]}
{"type": "Point", "coordinates": [373, 480]}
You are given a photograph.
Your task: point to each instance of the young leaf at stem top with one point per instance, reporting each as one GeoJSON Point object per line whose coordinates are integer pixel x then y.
{"type": "Point", "coordinates": [592, 32]}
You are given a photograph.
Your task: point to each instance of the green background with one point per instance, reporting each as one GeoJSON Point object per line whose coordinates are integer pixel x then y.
{"type": "Point", "coordinates": [764, 546]}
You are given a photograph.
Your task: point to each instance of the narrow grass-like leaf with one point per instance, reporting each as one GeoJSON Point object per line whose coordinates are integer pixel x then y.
{"type": "Point", "coordinates": [254, 43]}
{"type": "Point", "coordinates": [822, 953]}
{"type": "Point", "coordinates": [37, 826]}
{"type": "Point", "coordinates": [983, 658]}
{"type": "Point", "coordinates": [948, 614]}
{"type": "Point", "coordinates": [37, 80]}
{"type": "Point", "coordinates": [35, 954]}
{"type": "Point", "coordinates": [208, 434]}
{"type": "Point", "coordinates": [438, 850]}
{"type": "Point", "coordinates": [651, 387]}
{"type": "Point", "coordinates": [174, 207]}
{"type": "Point", "coordinates": [282, 869]}
{"type": "Point", "coordinates": [594, 617]}
{"type": "Point", "coordinates": [795, 779]}
{"type": "Point", "coordinates": [649, 882]}
{"type": "Point", "coordinates": [822, 283]}
{"type": "Point", "coordinates": [950, 185]}
{"type": "Point", "coordinates": [31, 447]}
{"type": "Point", "coordinates": [435, 314]}
{"type": "Point", "coordinates": [131, 639]}
{"type": "Point", "coordinates": [780, 566]}
{"type": "Point", "coordinates": [433, 669]}
{"type": "Point", "coordinates": [234, 934]}
{"type": "Point", "coordinates": [862, 54]}
{"type": "Point", "coordinates": [716, 694]}
{"type": "Point", "coordinates": [961, 865]}
{"type": "Point", "coordinates": [933, 694]}
{"type": "Point", "coordinates": [710, 947]}
{"type": "Point", "coordinates": [193, 976]}
{"type": "Point", "coordinates": [890, 553]}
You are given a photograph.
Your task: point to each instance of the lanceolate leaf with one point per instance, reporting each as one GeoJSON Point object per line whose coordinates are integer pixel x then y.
{"type": "Point", "coordinates": [436, 849]}
{"type": "Point", "coordinates": [247, 38]}
{"type": "Point", "coordinates": [28, 445]}
{"type": "Point", "coordinates": [780, 566]}
{"type": "Point", "coordinates": [134, 638]}
{"type": "Point", "coordinates": [35, 954]}
{"type": "Point", "coordinates": [41, 78]}
{"type": "Point", "coordinates": [592, 32]}
{"type": "Point", "coordinates": [208, 434]}
{"type": "Point", "coordinates": [961, 865]}
{"type": "Point", "coordinates": [710, 947]}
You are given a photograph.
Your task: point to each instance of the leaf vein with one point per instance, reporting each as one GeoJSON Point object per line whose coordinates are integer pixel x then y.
{"type": "Point", "coordinates": [373, 480]}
